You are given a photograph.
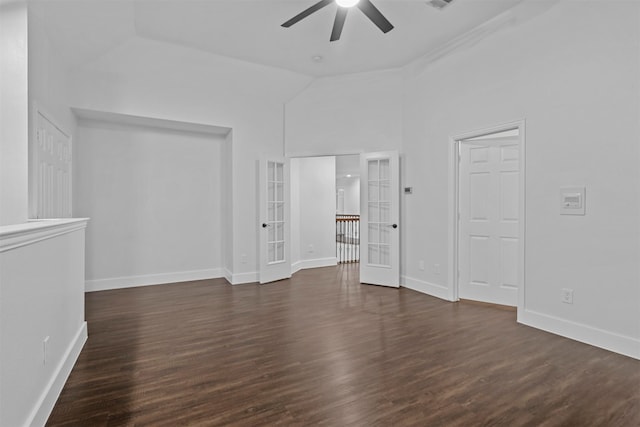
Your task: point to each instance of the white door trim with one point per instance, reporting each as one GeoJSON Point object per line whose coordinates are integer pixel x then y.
{"type": "Point", "coordinates": [453, 192]}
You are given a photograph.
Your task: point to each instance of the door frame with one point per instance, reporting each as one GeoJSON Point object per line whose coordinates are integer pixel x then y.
{"type": "Point", "coordinates": [454, 208]}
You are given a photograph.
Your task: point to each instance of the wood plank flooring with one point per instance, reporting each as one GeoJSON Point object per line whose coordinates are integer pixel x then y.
{"type": "Point", "coordinates": [321, 349]}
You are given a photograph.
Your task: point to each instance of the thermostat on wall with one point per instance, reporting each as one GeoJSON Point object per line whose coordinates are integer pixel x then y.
{"type": "Point", "coordinates": [572, 200]}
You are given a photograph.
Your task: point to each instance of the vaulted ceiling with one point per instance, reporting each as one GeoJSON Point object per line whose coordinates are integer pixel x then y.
{"type": "Point", "coordinates": [250, 30]}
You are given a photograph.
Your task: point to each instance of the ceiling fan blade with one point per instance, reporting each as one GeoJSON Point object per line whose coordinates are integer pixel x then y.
{"type": "Point", "coordinates": [375, 15]}
{"type": "Point", "coordinates": [316, 7]}
{"type": "Point", "coordinates": [341, 15]}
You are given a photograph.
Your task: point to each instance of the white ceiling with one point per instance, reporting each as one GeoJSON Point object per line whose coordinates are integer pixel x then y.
{"type": "Point", "coordinates": [250, 30]}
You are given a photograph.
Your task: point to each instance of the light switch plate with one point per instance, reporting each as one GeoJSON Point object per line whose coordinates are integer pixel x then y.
{"type": "Point", "coordinates": [572, 200]}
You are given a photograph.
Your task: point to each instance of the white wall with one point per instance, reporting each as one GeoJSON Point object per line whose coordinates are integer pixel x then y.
{"type": "Point", "coordinates": [313, 196]}
{"type": "Point", "coordinates": [13, 113]}
{"type": "Point", "coordinates": [348, 180]}
{"type": "Point", "coordinates": [160, 80]}
{"type": "Point", "coordinates": [346, 115]}
{"type": "Point", "coordinates": [42, 295]}
{"type": "Point", "coordinates": [48, 82]}
{"type": "Point", "coordinates": [351, 187]}
{"type": "Point", "coordinates": [572, 74]}
{"type": "Point", "coordinates": [154, 197]}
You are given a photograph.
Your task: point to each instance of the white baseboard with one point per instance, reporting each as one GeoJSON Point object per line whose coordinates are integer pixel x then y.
{"type": "Point", "coordinates": [151, 279]}
{"type": "Point", "coordinates": [296, 266]}
{"type": "Point", "coordinates": [431, 289]}
{"type": "Point", "coordinates": [313, 263]}
{"type": "Point", "coordinates": [242, 278]}
{"type": "Point", "coordinates": [228, 275]}
{"type": "Point", "coordinates": [625, 345]}
{"type": "Point", "coordinates": [49, 396]}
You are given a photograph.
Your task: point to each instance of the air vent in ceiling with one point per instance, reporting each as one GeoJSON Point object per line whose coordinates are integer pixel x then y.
{"type": "Point", "coordinates": [439, 4]}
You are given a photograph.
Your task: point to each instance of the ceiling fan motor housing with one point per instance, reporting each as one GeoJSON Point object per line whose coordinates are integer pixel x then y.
{"type": "Point", "coordinates": [439, 4]}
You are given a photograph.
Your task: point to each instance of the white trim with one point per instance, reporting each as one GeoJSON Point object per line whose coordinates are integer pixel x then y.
{"type": "Point", "coordinates": [15, 236]}
{"type": "Point", "coordinates": [313, 263]}
{"type": "Point", "coordinates": [228, 275]}
{"type": "Point", "coordinates": [242, 278]}
{"type": "Point", "coordinates": [152, 279]}
{"type": "Point", "coordinates": [150, 122]}
{"type": "Point", "coordinates": [295, 267]}
{"type": "Point", "coordinates": [465, 40]}
{"type": "Point", "coordinates": [432, 289]}
{"type": "Point", "coordinates": [49, 396]}
{"type": "Point", "coordinates": [453, 191]}
{"type": "Point", "coordinates": [621, 344]}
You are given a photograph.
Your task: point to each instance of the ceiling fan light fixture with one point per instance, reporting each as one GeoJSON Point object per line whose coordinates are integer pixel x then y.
{"type": "Point", "coordinates": [347, 3]}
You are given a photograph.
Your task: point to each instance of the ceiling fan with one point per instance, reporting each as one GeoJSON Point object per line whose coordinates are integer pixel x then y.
{"type": "Point", "coordinates": [365, 6]}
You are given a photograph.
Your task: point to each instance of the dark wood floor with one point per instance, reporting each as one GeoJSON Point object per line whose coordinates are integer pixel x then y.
{"type": "Point", "coordinates": [321, 349]}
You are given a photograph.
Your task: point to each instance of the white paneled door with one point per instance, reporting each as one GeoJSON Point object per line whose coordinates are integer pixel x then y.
{"type": "Point", "coordinates": [275, 261]}
{"type": "Point", "coordinates": [50, 170]}
{"type": "Point", "coordinates": [489, 220]}
{"type": "Point", "coordinates": [379, 219]}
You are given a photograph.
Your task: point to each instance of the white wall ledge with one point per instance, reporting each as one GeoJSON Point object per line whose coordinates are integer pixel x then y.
{"type": "Point", "coordinates": [18, 235]}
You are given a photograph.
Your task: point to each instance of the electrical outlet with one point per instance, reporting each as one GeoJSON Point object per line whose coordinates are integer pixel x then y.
{"type": "Point", "coordinates": [421, 265]}
{"type": "Point", "coordinates": [436, 269]}
{"type": "Point", "coordinates": [567, 296]}
{"type": "Point", "coordinates": [45, 344]}
{"type": "Point", "coordinates": [310, 249]}
{"type": "Point", "coordinates": [243, 258]}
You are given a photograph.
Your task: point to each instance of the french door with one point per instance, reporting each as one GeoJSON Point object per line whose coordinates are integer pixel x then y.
{"type": "Point", "coordinates": [379, 219]}
{"type": "Point", "coordinates": [275, 259]}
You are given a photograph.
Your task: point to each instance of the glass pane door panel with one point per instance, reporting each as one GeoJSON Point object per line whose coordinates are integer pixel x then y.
{"type": "Point", "coordinates": [280, 212]}
{"type": "Point", "coordinates": [279, 233]}
{"type": "Point", "coordinates": [271, 252]}
{"type": "Point", "coordinates": [385, 255]}
{"type": "Point", "coordinates": [271, 211]}
{"type": "Point", "coordinates": [385, 234]}
{"type": "Point", "coordinates": [374, 212]}
{"type": "Point", "coordinates": [384, 210]}
{"type": "Point", "coordinates": [275, 212]}
{"type": "Point", "coordinates": [373, 233]}
{"type": "Point", "coordinates": [374, 254]}
{"type": "Point", "coordinates": [280, 252]}
{"type": "Point", "coordinates": [271, 173]}
{"type": "Point", "coordinates": [379, 211]}
{"type": "Point", "coordinates": [385, 191]}
{"type": "Point", "coordinates": [271, 191]}
{"type": "Point", "coordinates": [373, 193]}
{"type": "Point", "coordinates": [385, 169]}
{"type": "Point", "coordinates": [373, 170]}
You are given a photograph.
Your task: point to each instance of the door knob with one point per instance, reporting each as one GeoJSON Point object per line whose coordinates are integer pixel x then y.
{"type": "Point", "coordinates": [395, 225]}
{"type": "Point", "coordinates": [264, 225]}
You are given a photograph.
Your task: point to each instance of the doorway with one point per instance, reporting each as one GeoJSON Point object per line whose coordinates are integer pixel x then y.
{"type": "Point", "coordinates": [347, 209]}
{"type": "Point", "coordinates": [489, 215]}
